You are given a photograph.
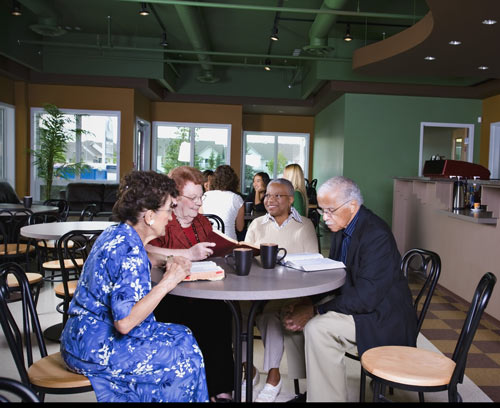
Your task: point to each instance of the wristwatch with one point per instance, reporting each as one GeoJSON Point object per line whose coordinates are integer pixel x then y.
{"type": "Point", "coordinates": [315, 310]}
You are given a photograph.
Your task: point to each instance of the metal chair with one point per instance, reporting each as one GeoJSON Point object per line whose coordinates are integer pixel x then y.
{"type": "Point", "coordinates": [420, 370]}
{"type": "Point", "coordinates": [89, 212]}
{"type": "Point", "coordinates": [49, 374]}
{"type": "Point", "coordinates": [216, 221]}
{"type": "Point", "coordinates": [62, 214]}
{"type": "Point", "coordinates": [18, 389]}
{"type": "Point", "coordinates": [13, 247]}
{"type": "Point", "coordinates": [428, 264]}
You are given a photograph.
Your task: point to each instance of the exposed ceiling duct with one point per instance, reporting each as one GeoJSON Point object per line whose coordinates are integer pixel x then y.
{"type": "Point", "coordinates": [318, 34]}
{"type": "Point", "coordinates": [197, 34]}
{"type": "Point", "coordinates": [47, 25]}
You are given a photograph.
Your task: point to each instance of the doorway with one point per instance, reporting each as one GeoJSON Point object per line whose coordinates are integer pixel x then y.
{"type": "Point", "coordinates": [142, 145]}
{"type": "Point", "coordinates": [453, 141]}
{"type": "Point", "coordinates": [494, 159]}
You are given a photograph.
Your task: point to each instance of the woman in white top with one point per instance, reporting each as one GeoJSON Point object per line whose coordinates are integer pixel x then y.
{"type": "Point", "coordinates": [223, 200]}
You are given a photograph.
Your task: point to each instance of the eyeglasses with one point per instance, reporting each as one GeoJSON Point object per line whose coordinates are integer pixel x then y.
{"type": "Point", "coordinates": [275, 196]}
{"type": "Point", "coordinates": [194, 199]}
{"type": "Point", "coordinates": [331, 211]}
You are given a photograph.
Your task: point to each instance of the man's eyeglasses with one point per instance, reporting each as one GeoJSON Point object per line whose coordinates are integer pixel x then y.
{"type": "Point", "coordinates": [275, 196]}
{"type": "Point", "coordinates": [331, 211]}
{"type": "Point", "coordinates": [194, 199]}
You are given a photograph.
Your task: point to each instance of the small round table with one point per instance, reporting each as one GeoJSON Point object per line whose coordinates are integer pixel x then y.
{"type": "Point", "coordinates": [35, 208]}
{"type": "Point", "coordinates": [258, 287]}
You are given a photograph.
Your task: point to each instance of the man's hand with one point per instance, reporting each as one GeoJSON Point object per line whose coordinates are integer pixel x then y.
{"type": "Point", "coordinates": [297, 315]}
{"type": "Point", "coordinates": [201, 251]}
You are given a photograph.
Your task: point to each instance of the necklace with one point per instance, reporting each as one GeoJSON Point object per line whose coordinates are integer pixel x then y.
{"type": "Point", "coordinates": [187, 237]}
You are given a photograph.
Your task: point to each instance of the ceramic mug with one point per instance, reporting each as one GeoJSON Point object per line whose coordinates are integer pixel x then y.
{"type": "Point", "coordinates": [240, 260]}
{"type": "Point", "coordinates": [269, 255]}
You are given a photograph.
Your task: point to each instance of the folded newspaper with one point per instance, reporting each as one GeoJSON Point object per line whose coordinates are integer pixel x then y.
{"type": "Point", "coordinates": [311, 262]}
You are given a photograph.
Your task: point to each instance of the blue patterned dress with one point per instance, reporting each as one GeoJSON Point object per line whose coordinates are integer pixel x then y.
{"type": "Point", "coordinates": [154, 362]}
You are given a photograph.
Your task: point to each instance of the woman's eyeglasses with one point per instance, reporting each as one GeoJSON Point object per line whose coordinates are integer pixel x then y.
{"type": "Point", "coordinates": [330, 211]}
{"type": "Point", "coordinates": [195, 198]}
{"type": "Point", "coordinates": [275, 196]}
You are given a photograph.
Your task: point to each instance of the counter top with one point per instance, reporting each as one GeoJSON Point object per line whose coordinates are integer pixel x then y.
{"type": "Point", "coordinates": [489, 183]}
{"type": "Point", "coordinates": [479, 217]}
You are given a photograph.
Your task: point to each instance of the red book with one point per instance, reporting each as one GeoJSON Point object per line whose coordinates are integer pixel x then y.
{"type": "Point", "coordinates": [224, 245]}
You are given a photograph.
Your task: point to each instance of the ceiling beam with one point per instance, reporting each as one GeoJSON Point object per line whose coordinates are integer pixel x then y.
{"type": "Point", "coordinates": [283, 9]}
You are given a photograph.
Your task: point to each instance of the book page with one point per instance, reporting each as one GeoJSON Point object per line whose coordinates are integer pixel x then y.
{"type": "Point", "coordinates": [315, 264]}
{"type": "Point", "coordinates": [204, 266]}
{"type": "Point", "coordinates": [306, 255]}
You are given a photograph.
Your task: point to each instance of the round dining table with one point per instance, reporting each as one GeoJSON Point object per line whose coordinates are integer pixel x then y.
{"type": "Point", "coordinates": [35, 208]}
{"type": "Point", "coordinates": [259, 286]}
{"type": "Point", "coordinates": [54, 231]}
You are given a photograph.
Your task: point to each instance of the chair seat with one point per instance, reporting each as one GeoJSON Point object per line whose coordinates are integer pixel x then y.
{"type": "Point", "coordinates": [33, 278]}
{"type": "Point", "coordinates": [408, 365]}
{"type": "Point", "coordinates": [68, 264]}
{"type": "Point", "coordinates": [51, 372]}
{"type": "Point", "coordinates": [12, 249]}
{"type": "Point", "coordinates": [51, 244]}
{"type": "Point", "coordinates": [59, 289]}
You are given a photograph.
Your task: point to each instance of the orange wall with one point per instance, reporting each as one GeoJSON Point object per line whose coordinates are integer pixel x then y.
{"type": "Point", "coordinates": [6, 90]}
{"type": "Point", "coordinates": [491, 114]}
{"type": "Point", "coordinates": [205, 113]}
{"type": "Point", "coordinates": [280, 123]}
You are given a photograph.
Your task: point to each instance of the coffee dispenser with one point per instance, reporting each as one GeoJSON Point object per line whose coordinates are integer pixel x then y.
{"type": "Point", "coordinates": [459, 188]}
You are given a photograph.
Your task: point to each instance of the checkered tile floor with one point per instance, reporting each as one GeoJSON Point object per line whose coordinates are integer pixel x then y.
{"type": "Point", "coordinates": [442, 326]}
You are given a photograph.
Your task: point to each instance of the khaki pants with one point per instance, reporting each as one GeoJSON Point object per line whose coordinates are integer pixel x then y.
{"type": "Point", "coordinates": [327, 338]}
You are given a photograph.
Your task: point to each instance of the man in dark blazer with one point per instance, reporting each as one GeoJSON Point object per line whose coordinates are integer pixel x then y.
{"type": "Point", "coordinates": [374, 306]}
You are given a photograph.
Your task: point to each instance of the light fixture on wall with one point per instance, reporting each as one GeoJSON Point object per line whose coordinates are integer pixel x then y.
{"type": "Point", "coordinates": [347, 36]}
{"type": "Point", "coordinates": [274, 34]}
{"type": "Point", "coordinates": [144, 10]}
{"type": "Point", "coordinates": [267, 64]}
{"type": "Point", "coordinates": [16, 8]}
{"type": "Point", "coordinates": [164, 39]}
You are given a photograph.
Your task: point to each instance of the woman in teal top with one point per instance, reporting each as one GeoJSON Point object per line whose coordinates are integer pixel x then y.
{"type": "Point", "coordinates": [294, 173]}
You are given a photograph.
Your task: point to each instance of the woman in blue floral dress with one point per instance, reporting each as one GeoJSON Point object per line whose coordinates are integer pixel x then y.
{"type": "Point", "coordinates": [111, 335]}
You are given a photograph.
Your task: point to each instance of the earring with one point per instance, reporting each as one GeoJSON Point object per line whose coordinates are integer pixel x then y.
{"type": "Point", "coordinates": [151, 222]}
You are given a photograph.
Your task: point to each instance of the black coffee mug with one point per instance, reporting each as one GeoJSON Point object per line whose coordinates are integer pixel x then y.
{"type": "Point", "coordinates": [248, 207]}
{"type": "Point", "coordinates": [27, 201]}
{"type": "Point", "coordinates": [240, 260]}
{"type": "Point", "coordinates": [269, 255]}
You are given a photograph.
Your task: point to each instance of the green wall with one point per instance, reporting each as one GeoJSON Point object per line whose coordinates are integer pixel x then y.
{"type": "Point", "coordinates": [381, 139]}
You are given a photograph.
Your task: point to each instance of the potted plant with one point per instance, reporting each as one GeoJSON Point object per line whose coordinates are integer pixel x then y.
{"type": "Point", "coordinates": [51, 147]}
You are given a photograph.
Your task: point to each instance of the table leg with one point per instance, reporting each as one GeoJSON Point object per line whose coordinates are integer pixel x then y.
{"type": "Point", "coordinates": [240, 336]}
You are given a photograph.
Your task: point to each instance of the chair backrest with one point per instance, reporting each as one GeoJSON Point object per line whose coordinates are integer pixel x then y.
{"type": "Point", "coordinates": [89, 212]}
{"type": "Point", "coordinates": [18, 389]}
{"type": "Point", "coordinates": [63, 206]}
{"type": "Point", "coordinates": [11, 223]}
{"type": "Point", "coordinates": [23, 356]}
{"type": "Point", "coordinates": [479, 302]}
{"type": "Point", "coordinates": [216, 222]}
{"type": "Point", "coordinates": [427, 263]}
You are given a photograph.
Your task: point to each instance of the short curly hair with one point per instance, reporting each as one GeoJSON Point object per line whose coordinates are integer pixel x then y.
{"type": "Point", "coordinates": [182, 174]}
{"type": "Point", "coordinates": [225, 179]}
{"type": "Point", "coordinates": [140, 191]}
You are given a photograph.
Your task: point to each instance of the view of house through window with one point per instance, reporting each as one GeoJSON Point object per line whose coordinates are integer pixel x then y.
{"type": "Point", "coordinates": [271, 152]}
{"type": "Point", "coordinates": [97, 147]}
{"type": "Point", "coordinates": [203, 146]}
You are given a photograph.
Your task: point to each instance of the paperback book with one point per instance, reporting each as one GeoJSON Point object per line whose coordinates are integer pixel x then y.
{"type": "Point", "coordinates": [311, 262]}
{"type": "Point", "coordinates": [205, 270]}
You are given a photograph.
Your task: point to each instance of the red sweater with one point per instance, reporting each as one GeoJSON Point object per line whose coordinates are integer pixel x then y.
{"type": "Point", "coordinates": [175, 238]}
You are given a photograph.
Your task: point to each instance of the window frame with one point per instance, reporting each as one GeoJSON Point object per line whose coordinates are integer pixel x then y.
{"type": "Point", "coordinates": [276, 135]}
{"type": "Point", "coordinates": [9, 143]}
{"type": "Point", "coordinates": [191, 126]}
{"type": "Point", "coordinates": [35, 181]}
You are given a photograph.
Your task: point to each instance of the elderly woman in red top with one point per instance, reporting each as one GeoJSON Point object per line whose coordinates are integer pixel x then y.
{"type": "Point", "coordinates": [186, 236]}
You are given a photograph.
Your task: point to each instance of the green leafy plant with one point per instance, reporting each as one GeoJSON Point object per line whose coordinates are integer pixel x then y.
{"type": "Point", "coordinates": [52, 145]}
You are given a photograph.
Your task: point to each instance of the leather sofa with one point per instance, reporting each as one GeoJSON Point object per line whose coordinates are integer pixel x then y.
{"type": "Point", "coordinates": [80, 195]}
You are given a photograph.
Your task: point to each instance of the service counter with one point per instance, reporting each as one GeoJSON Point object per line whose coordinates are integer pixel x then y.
{"type": "Point", "coordinates": [467, 242]}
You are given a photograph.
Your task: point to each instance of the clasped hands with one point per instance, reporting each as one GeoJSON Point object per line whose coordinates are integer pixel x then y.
{"type": "Point", "coordinates": [296, 315]}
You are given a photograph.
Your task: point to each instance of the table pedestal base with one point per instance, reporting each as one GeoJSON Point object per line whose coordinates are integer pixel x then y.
{"type": "Point", "coordinates": [53, 333]}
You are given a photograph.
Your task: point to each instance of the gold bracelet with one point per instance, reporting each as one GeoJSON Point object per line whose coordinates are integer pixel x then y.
{"type": "Point", "coordinates": [168, 258]}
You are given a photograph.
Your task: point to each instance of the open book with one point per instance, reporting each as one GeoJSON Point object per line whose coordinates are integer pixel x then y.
{"type": "Point", "coordinates": [205, 270]}
{"type": "Point", "coordinates": [224, 245]}
{"type": "Point", "coordinates": [311, 262]}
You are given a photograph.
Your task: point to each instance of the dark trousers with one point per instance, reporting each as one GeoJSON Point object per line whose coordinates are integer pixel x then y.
{"type": "Point", "coordinates": [211, 323]}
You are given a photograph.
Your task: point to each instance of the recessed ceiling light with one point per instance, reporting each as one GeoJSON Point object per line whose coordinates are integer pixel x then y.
{"type": "Point", "coordinates": [482, 67]}
{"type": "Point", "coordinates": [455, 42]}
{"type": "Point", "coordinates": [430, 58]}
{"type": "Point", "coordinates": [489, 22]}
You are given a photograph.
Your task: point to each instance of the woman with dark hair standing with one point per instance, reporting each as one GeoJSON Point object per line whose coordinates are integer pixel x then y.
{"type": "Point", "coordinates": [256, 196]}
{"type": "Point", "coordinates": [223, 200]}
{"type": "Point", "coordinates": [111, 335]}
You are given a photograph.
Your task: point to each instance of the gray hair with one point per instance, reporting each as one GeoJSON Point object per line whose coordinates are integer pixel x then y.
{"type": "Point", "coordinates": [283, 182]}
{"type": "Point", "coordinates": [347, 188]}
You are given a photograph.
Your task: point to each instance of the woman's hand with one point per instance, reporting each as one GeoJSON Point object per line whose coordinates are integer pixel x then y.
{"type": "Point", "coordinates": [201, 251]}
{"type": "Point", "coordinates": [177, 269]}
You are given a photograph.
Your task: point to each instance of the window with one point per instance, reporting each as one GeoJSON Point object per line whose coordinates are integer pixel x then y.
{"type": "Point", "coordinates": [204, 146]}
{"type": "Point", "coordinates": [97, 147]}
{"type": "Point", "coordinates": [7, 144]}
{"type": "Point", "coordinates": [262, 150]}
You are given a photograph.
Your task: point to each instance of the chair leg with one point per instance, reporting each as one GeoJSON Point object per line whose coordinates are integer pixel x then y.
{"type": "Point", "coordinates": [421, 397]}
{"type": "Point", "coordinates": [362, 386]}
{"type": "Point", "coordinates": [296, 386]}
